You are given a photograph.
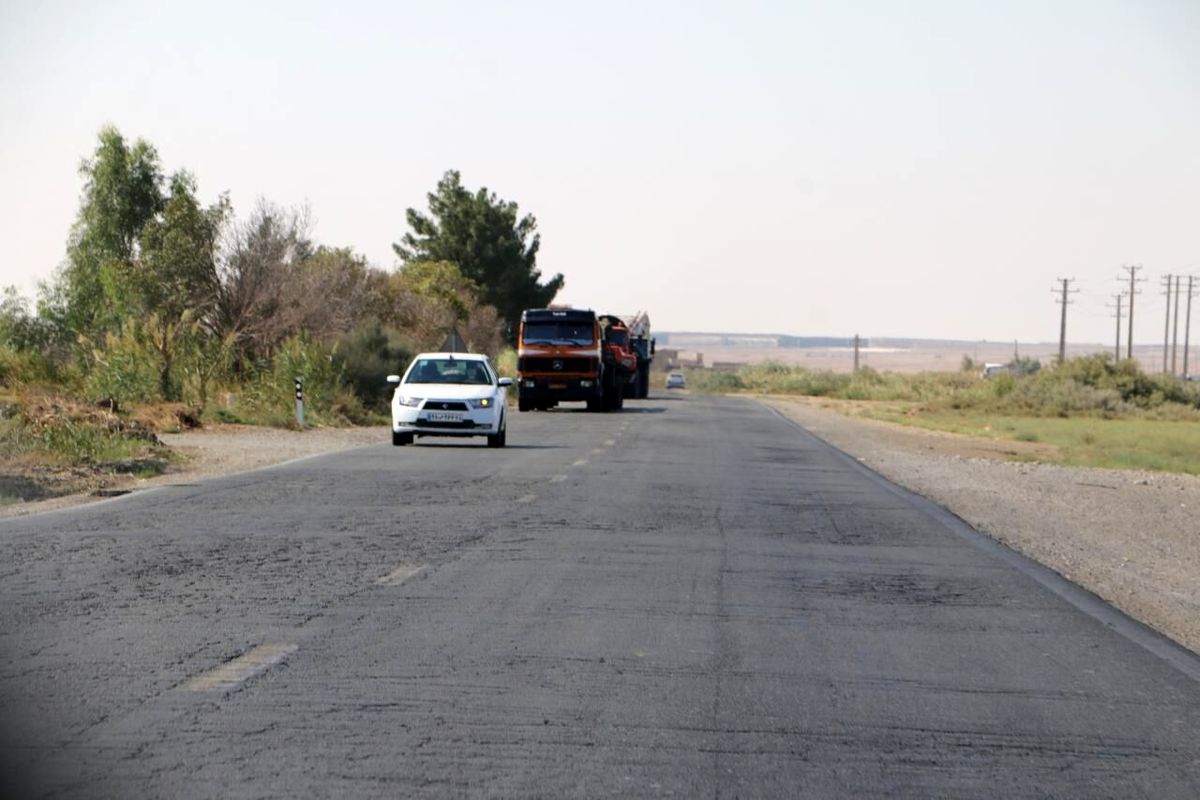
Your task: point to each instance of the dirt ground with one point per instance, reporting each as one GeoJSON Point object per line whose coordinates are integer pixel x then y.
{"type": "Point", "coordinates": [1133, 538]}
{"type": "Point", "coordinates": [214, 450]}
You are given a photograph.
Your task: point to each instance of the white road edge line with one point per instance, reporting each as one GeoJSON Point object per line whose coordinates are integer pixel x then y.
{"type": "Point", "coordinates": [247, 665]}
{"type": "Point", "coordinates": [399, 575]}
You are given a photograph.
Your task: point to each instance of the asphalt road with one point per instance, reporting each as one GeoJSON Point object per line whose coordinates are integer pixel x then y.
{"type": "Point", "coordinates": [692, 598]}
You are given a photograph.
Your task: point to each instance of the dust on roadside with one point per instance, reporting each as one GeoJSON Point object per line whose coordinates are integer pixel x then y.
{"type": "Point", "coordinates": [1131, 537]}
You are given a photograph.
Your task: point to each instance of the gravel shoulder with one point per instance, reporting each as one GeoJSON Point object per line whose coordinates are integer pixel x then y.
{"type": "Point", "coordinates": [1133, 538]}
{"type": "Point", "coordinates": [219, 450]}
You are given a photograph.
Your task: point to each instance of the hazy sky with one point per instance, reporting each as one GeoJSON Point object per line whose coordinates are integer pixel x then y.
{"type": "Point", "coordinates": [888, 168]}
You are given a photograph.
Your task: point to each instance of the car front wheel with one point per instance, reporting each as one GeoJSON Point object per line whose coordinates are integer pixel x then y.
{"type": "Point", "coordinates": [498, 439]}
{"type": "Point", "coordinates": [401, 439]}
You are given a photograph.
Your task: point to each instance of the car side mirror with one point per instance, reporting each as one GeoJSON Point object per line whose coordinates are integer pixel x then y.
{"type": "Point", "coordinates": [393, 378]}
{"type": "Point", "coordinates": [504, 382]}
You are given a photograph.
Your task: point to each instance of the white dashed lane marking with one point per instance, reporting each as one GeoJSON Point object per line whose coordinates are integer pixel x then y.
{"type": "Point", "coordinates": [558, 479]}
{"type": "Point", "coordinates": [527, 498]}
{"type": "Point", "coordinates": [579, 462]}
{"type": "Point", "coordinates": [399, 575]}
{"type": "Point", "coordinates": [609, 442]}
{"type": "Point", "coordinates": [240, 669]}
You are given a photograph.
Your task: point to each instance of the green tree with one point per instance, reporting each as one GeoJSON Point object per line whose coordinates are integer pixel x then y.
{"type": "Point", "coordinates": [176, 269]}
{"type": "Point", "coordinates": [483, 236]}
{"type": "Point", "coordinates": [123, 190]}
{"type": "Point", "coordinates": [441, 283]}
{"type": "Point", "coordinates": [173, 282]}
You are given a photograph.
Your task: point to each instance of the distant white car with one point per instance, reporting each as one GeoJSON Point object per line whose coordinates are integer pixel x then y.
{"type": "Point", "coordinates": [450, 394]}
{"type": "Point", "coordinates": [675, 380]}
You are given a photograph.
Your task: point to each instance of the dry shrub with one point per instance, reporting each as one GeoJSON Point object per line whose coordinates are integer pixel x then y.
{"type": "Point", "coordinates": [163, 417]}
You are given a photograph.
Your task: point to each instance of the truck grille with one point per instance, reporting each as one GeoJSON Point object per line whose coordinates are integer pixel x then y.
{"type": "Point", "coordinates": [552, 365]}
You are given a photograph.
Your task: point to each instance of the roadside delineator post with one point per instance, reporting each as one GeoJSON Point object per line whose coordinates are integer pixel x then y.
{"type": "Point", "coordinates": [300, 402]}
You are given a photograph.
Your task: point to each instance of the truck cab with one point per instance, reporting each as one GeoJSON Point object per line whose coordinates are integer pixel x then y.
{"type": "Point", "coordinates": [559, 358]}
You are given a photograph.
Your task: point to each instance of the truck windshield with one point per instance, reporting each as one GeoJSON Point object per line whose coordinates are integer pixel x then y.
{"type": "Point", "coordinates": [557, 333]}
{"type": "Point", "coordinates": [617, 337]}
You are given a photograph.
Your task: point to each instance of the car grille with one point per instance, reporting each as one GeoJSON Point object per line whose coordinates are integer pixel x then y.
{"type": "Point", "coordinates": [444, 405]}
{"type": "Point", "coordinates": [425, 423]}
{"type": "Point", "coordinates": [543, 364]}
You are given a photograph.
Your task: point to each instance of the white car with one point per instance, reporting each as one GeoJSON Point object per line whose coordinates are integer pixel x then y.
{"type": "Point", "coordinates": [675, 380]}
{"type": "Point", "coordinates": [450, 394]}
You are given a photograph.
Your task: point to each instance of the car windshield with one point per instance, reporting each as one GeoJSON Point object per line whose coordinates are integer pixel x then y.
{"type": "Point", "coordinates": [557, 333]}
{"type": "Point", "coordinates": [448, 370]}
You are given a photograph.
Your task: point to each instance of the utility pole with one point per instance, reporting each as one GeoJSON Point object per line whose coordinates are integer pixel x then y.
{"type": "Point", "coordinates": [1119, 297]}
{"type": "Point", "coordinates": [1064, 302]}
{"type": "Point", "coordinates": [856, 352]}
{"type": "Point", "coordinates": [1187, 329]}
{"type": "Point", "coordinates": [1175, 333]}
{"type": "Point", "coordinates": [1132, 269]}
{"type": "Point", "coordinates": [1167, 326]}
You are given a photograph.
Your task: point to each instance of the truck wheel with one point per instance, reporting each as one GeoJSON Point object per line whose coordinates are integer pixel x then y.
{"type": "Point", "coordinates": [524, 405]}
{"type": "Point", "coordinates": [595, 404]}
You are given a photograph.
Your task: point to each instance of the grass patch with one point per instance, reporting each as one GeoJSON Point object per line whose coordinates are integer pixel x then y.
{"type": "Point", "coordinates": [1147, 444]}
{"type": "Point", "coordinates": [1094, 411]}
{"type": "Point", "coordinates": [228, 417]}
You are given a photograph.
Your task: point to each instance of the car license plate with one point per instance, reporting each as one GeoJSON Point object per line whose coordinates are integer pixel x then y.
{"type": "Point", "coordinates": [445, 416]}
{"type": "Point", "coordinates": [558, 386]}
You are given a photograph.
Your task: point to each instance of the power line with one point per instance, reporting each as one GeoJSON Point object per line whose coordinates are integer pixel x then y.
{"type": "Point", "coordinates": [1167, 324]}
{"type": "Point", "coordinates": [1187, 329]}
{"type": "Point", "coordinates": [1132, 269]}
{"type": "Point", "coordinates": [1175, 334]}
{"type": "Point", "coordinates": [1119, 297]}
{"type": "Point", "coordinates": [1064, 302]}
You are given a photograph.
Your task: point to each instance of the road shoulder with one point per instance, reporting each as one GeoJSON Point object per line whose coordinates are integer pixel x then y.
{"type": "Point", "coordinates": [1129, 537]}
{"type": "Point", "coordinates": [216, 450]}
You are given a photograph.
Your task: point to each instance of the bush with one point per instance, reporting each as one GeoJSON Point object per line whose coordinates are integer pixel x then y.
{"type": "Point", "coordinates": [366, 356]}
{"type": "Point", "coordinates": [1094, 385]}
{"type": "Point", "coordinates": [506, 363]}
{"type": "Point", "coordinates": [125, 368]}
{"type": "Point", "coordinates": [267, 394]}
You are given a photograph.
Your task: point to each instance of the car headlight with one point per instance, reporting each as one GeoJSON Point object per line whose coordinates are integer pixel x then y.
{"type": "Point", "coordinates": [411, 402]}
{"type": "Point", "coordinates": [483, 402]}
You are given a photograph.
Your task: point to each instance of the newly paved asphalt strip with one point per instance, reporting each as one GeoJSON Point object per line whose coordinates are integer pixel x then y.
{"type": "Point", "coordinates": [715, 605]}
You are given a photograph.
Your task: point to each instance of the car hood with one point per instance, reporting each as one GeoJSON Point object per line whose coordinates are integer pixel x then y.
{"type": "Point", "coordinates": [446, 391]}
